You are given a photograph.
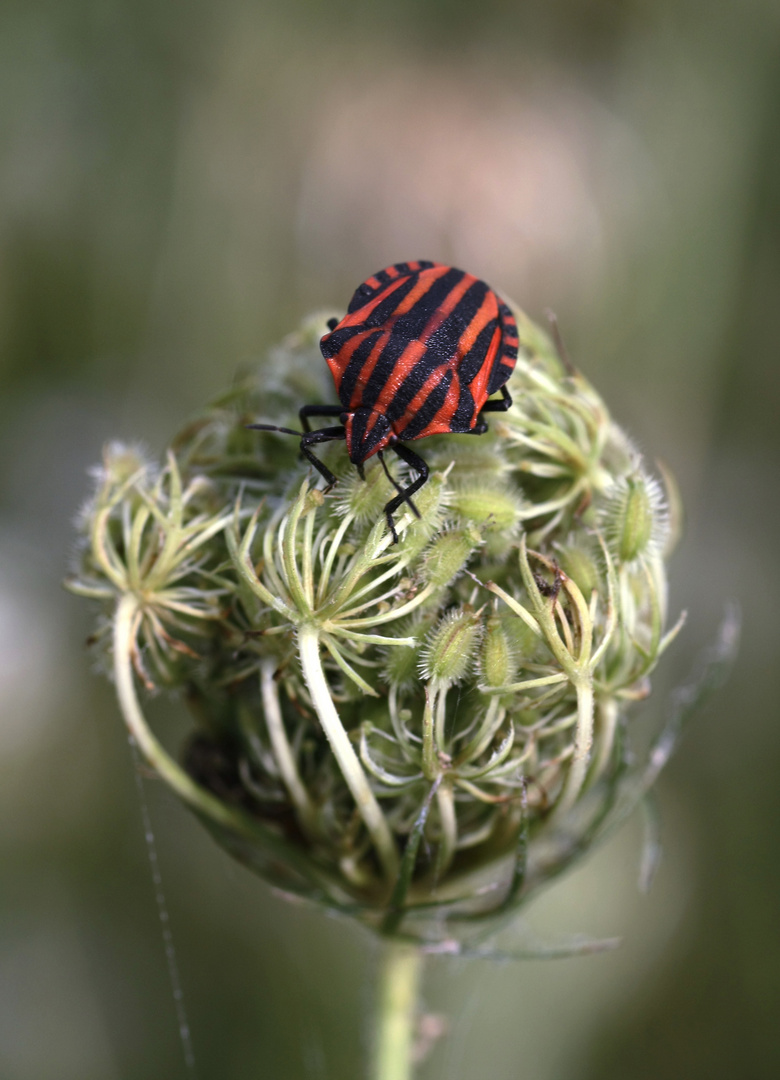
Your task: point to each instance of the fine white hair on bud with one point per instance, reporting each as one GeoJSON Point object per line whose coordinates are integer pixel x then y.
{"type": "Point", "coordinates": [382, 723]}
{"type": "Point", "coordinates": [448, 554]}
{"type": "Point", "coordinates": [451, 647]}
{"type": "Point", "coordinates": [498, 656]}
{"type": "Point", "coordinates": [494, 507]}
{"type": "Point", "coordinates": [581, 560]}
{"type": "Point", "coordinates": [634, 517]}
{"type": "Point", "coordinates": [363, 499]}
{"type": "Point", "coordinates": [123, 461]}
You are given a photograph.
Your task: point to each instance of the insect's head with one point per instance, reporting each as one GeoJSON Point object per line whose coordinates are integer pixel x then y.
{"type": "Point", "coordinates": [367, 432]}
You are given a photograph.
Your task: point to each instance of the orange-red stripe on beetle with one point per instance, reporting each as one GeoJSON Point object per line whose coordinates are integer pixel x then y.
{"type": "Point", "coordinates": [419, 352]}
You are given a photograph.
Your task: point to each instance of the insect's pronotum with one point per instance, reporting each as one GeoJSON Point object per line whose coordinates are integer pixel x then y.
{"type": "Point", "coordinates": [419, 352]}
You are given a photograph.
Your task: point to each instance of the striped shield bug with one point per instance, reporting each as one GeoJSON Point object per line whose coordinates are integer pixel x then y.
{"type": "Point", "coordinates": [419, 352]}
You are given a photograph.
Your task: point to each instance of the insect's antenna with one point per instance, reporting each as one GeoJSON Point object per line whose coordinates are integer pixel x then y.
{"type": "Point", "coordinates": [270, 427]}
{"type": "Point", "coordinates": [560, 345]}
{"type": "Point", "coordinates": [401, 491]}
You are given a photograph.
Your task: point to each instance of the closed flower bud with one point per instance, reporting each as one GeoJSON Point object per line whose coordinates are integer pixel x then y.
{"type": "Point", "coordinates": [578, 561]}
{"type": "Point", "coordinates": [451, 648]}
{"type": "Point", "coordinates": [493, 508]}
{"type": "Point", "coordinates": [402, 662]}
{"type": "Point", "coordinates": [498, 657]}
{"type": "Point", "coordinates": [401, 666]}
{"type": "Point", "coordinates": [634, 519]}
{"type": "Point", "coordinates": [121, 462]}
{"type": "Point", "coordinates": [431, 502]}
{"type": "Point", "coordinates": [364, 499]}
{"type": "Point", "coordinates": [448, 554]}
{"type": "Point", "coordinates": [526, 645]}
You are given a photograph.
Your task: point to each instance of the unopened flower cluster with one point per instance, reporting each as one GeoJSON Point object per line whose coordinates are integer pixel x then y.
{"type": "Point", "coordinates": [419, 733]}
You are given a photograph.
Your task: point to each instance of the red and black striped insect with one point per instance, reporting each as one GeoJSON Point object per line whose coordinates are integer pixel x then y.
{"type": "Point", "coordinates": [419, 352]}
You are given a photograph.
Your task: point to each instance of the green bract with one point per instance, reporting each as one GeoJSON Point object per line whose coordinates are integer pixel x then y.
{"type": "Point", "coordinates": [422, 733]}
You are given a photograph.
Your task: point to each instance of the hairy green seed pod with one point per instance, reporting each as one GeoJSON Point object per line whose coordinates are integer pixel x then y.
{"type": "Point", "coordinates": [448, 554]}
{"type": "Point", "coordinates": [493, 508]}
{"type": "Point", "coordinates": [402, 661]}
{"type": "Point", "coordinates": [478, 462]}
{"type": "Point", "coordinates": [498, 658]}
{"type": "Point", "coordinates": [578, 561]}
{"type": "Point", "coordinates": [527, 645]}
{"type": "Point", "coordinates": [364, 499]}
{"type": "Point", "coordinates": [450, 649]}
{"type": "Point", "coordinates": [634, 518]}
{"type": "Point", "coordinates": [401, 666]}
{"type": "Point", "coordinates": [430, 501]}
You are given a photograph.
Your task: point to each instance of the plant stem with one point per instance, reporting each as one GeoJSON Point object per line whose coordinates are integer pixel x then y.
{"type": "Point", "coordinates": [283, 753]}
{"type": "Point", "coordinates": [583, 741]}
{"type": "Point", "coordinates": [430, 762]}
{"type": "Point", "coordinates": [185, 787]}
{"type": "Point", "coordinates": [399, 983]}
{"type": "Point", "coordinates": [607, 713]}
{"type": "Point", "coordinates": [449, 828]}
{"type": "Point", "coordinates": [349, 763]}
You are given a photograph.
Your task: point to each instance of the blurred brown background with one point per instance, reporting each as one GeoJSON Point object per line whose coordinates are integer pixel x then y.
{"type": "Point", "coordinates": [182, 182]}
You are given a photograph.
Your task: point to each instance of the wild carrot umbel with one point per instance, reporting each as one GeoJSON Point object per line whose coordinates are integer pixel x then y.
{"type": "Point", "coordinates": [418, 734]}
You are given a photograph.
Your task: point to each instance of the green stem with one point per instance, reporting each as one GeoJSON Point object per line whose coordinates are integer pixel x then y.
{"type": "Point", "coordinates": [340, 744]}
{"type": "Point", "coordinates": [399, 983]}
{"type": "Point", "coordinates": [583, 741]}
{"type": "Point", "coordinates": [449, 828]}
{"type": "Point", "coordinates": [285, 760]}
{"type": "Point", "coordinates": [430, 762]}
{"type": "Point", "coordinates": [607, 713]}
{"type": "Point", "coordinates": [172, 773]}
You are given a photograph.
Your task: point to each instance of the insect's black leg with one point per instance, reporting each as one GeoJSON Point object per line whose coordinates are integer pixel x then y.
{"type": "Point", "coordinates": [491, 406]}
{"type": "Point", "coordinates": [332, 323]}
{"type": "Point", "coordinates": [392, 479]}
{"type": "Point", "coordinates": [317, 410]}
{"type": "Point", "coordinates": [310, 438]}
{"type": "Point", "coordinates": [498, 406]}
{"type": "Point", "coordinates": [415, 462]}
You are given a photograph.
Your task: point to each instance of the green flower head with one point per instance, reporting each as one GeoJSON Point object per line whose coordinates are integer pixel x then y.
{"type": "Point", "coordinates": [418, 733]}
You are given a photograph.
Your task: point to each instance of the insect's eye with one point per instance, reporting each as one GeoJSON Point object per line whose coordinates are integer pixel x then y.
{"type": "Point", "coordinates": [332, 323]}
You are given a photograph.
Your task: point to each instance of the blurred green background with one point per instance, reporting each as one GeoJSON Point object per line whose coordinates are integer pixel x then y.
{"type": "Point", "coordinates": [180, 183]}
